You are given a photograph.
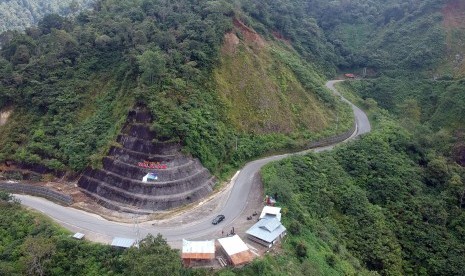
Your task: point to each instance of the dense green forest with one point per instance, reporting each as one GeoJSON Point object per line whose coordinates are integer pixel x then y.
{"type": "Point", "coordinates": [362, 33]}
{"type": "Point", "coordinates": [31, 244]}
{"type": "Point", "coordinates": [19, 14]}
{"type": "Point", "coordinates": [72, 80]}
{"type": "Point", "coordinates": [390, 200]}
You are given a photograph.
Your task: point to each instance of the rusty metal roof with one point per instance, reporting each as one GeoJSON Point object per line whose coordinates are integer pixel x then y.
{"type": "Point", "coordinates": [238, 252]}
{"type": "Point", "coordinates": [198, 256]}
{"type": "Point", "coordinates": [242, 258]}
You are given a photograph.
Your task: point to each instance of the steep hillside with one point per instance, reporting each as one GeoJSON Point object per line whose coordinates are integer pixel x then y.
{"type": "Point", "coordinates": [71, 81]}
{"type": "Point", "coordinates": [17, 15]}
{"type": "Point", "coordinates": [362, 33]}
{"type": "Point", "coordinates": [398, 33]}
{"type": "Point", "coordinates": [454, 25]}
{"type": "Point", "coordinates": [291, 21]}
{"type": "Point", "coordinates": [230, 82]}
{"type": "Point", "coordinates": [422, 36]}
{"type": "Point", "coordinates": [257, 81]}
{"type": "Point", "coordinates": [120, 185]}
{"type": "Point", "coordinates": [377, 199]}
{"type": "Point", "coordinates": [416, 49]}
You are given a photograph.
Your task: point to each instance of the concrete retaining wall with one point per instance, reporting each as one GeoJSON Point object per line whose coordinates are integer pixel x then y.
{"type": "Point", "coordinates": [333, 140]}
{"type": "Point", "coordinates": [118, 185]}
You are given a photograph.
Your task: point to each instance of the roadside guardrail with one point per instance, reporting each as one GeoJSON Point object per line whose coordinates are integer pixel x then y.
{"type": "Point", "coordinates": [333, 139]}
{"type": "Point", "coordinates": [47, 193]}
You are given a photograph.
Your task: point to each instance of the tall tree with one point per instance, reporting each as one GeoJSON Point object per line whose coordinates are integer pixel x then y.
{"type": "Point", "coordinates": [153, 257]}
{"type": "Point", "coordinates": [37, 252]}
{"type": "Point", "coordinates": [152, 64]}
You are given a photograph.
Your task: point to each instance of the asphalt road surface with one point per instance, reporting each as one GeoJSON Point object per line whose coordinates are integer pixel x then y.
{"type": "Point", "coordinates": [80, 221]}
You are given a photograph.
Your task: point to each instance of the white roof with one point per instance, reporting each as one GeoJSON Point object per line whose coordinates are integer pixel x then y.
{"type": "Point", "coordinates": [270, 210]}
{"type": "Point", "coordinates": [78, 236]}
{"type": "Point", "coordinates": [123, 242]}
{"type": "Point", "coordinates": [233, 245]}
{"type": "Point", "coordinates": [198, 246]}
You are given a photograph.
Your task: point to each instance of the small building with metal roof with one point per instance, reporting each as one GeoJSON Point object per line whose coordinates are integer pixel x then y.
{"type": "Point", "coordinates": [123, 242]}
{"type": "Point", "coordinates": [271, 212]}
{"type": "Point", "coordinates": [237, 251]}
{"type": "Point", "coordinates": [78, 236]}
{"type": "Point", "coordinates": [266, 231]}
{"type": "Point", "coordinates": [197, 251]}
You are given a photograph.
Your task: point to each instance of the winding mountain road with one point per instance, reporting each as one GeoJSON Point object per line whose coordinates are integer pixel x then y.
{"type": "Point", "coordinates": [77, 220]}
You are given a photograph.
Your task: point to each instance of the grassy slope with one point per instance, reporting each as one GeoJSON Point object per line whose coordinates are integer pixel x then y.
{"type": "Point", "coordinates": [263, 93]}
{"type": "Point", "coordinates": [273, 100]}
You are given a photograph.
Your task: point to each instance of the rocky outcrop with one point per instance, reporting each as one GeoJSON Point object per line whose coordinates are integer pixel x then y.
{"type": "Point", "coordinates": [4, 115]}
{"type": "Point", "coordinates": [119, 186]}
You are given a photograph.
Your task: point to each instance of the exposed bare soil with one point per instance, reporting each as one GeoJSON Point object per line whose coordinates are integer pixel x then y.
{"type": "Point", "coordinates": [4, 115]}
{"type": "Point", "coordinates": [231, 41]}
{"type": "Point", "coordinates": [250, 35]}
{"type": "Point", "coordinates": [454, 14]}
{"type": "Point", "coordinates": [454, 26]}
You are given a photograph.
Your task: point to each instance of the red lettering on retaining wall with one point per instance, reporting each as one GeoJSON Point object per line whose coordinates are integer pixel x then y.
{"type": "Point", "coordinates": [152, 165]}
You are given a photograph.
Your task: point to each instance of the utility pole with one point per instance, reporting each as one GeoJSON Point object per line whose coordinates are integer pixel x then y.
{"type": "Point", "coordinates": [136, 229]}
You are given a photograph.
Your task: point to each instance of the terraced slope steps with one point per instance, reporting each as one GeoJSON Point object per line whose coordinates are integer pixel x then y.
{"type": "Point", "coordinates": [119, 186]}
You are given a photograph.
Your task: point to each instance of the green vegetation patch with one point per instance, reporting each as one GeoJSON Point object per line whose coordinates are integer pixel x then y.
{"type": "Point", "coordinates": [264, 95]}
{"type": "Point", "coordinates": [388, 203]}
{"type": "Point", "coordinates": [31, 244]}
